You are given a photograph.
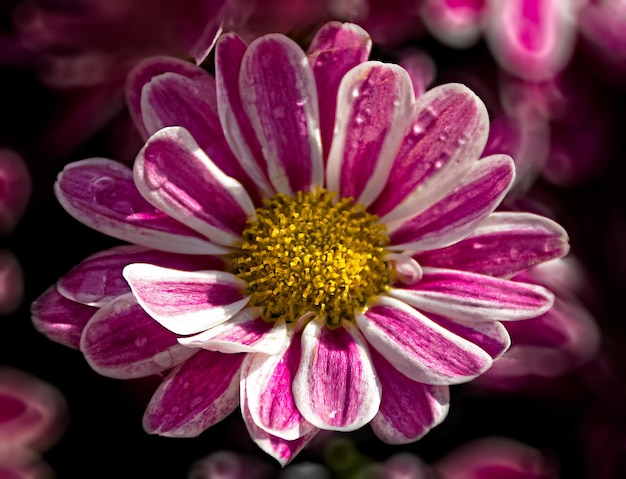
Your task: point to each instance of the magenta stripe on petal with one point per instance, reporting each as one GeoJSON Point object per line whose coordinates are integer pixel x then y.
{"type": "Point", "coordinates": [278, 93]}
{"type": "Point", "coordinates": [336, 387]}
{"type": "Point", "coordinates": [447, 135]}
{"type": "Point", "coordinates": [150, 67]}
{"type": "Point", "coordinates": [173, 174]}
{"type": "Point", "coordinates": [247, 331]}
{"type": "Point", "coordinates": [474, 297]}
{"type": "Point", "coordinates": [502, 245]}
{"type": "Point", "coordinates": [268, 381]}
{"type": "Point", "coordinates": [59, 318]}
{"type": "Point", "coordinates": [458, 214]}
{"type": "Point", "coordinates": [492, 336]}
{"type": "Point", "coordinates": [186, 302]}
{"type": "Point", "coordinates": [418, 347]}
{"type": "Point", "coordinates": [280, 449]}
{"type": "Point", "coordinates": [374, 105]}
{"type": "Point", "coordinates": [335, 49]}
{"type": "Point", "coordinates": [235, 122]}
{"type": "Point", "coordinates": [408, 409]}
{"type": "Point", "coordinates": [101, 194]}
{"type": "Point", "coordinates": [121, 341]}
{"type": "Point", "coordinates": [195, 395]}
{"type": "Point", "coordinates": [98, 279]}
{"type": "Point", "coordinates": [174, 100]}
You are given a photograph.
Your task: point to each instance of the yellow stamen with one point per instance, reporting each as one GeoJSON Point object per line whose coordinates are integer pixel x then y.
{"type": "Point", "coordinates": [306, 253]}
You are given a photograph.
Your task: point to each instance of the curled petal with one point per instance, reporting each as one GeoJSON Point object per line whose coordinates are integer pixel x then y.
{"type": "Point", "coordinates": [457, 215]}
{"type": "Point", "coordinates": [419, 348]}
{"type": "Point", "coordinates": [280, 449]}
{"type": "Point", "coordinates": [335, 49]}
{"type": "Point", "coordinates": [502, 245]}
{"type": "Point", "coordinates": [60, 319]}
{"type": "Point", "coordinates": [406, 269]}
{"type": "Point", "coordinates": [101, 194]}
{"type": "Point", "coordinates": [121, 341]}
{"type": "Point", "coordinates": [197, 394]}
{"type": "Point", "coordinates": [98, 279]}
{"type": "Point", "coordinates": [247, 331]}
{"type": "Point", "coordinates": [446, 136]}
{"type": "Point", "coordinates": [336, 387]}
{"type": "Point", "coordinates": [278, 93]}
{"type": "Point", "coordinates": [473, 297]}
{"type": "Point", "coordinates": [186, 302]}
{"type": "Point", "coordinates": [374, 102]}
{"type": "Point", "coordinates": [174, 175]}
{"type": "Point", "coordinates": [270, 402]}
{"type": "Point", "coordinates": [408, 409]}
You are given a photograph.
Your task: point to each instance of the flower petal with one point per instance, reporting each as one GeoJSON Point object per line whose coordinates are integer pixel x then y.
{"type": "Point", "coordinates": [336, 387]}
{"type": "Point", "coordinates": [150, 67]}
{"type": "Point", "coordinates": [447, 135]}
{"type": "Point", "coordinates": [457, 215]}
{"type": "Point", "coordinates": [467, 297]}
{"type": "Point", "coordinates": [170, 99]}
{"type": "Point", "coordinates": [280, 449]}
{"type": "Point", "coordinates": [59, 318]}
{"type": "Point", "coordinates": [502, 245]}
{"type": "Point", "coordinates": [101, 194]}
{"type": "Point", "coordinates": [174, 175]}
{"type": "Point", "coordinates": [245, 332]}
{"type": "Point", "coordinates": [270, 401]}
{"type": "Point", "coordinates": [98, 279]}
{"type": "Point", "coordinates": [418, 347]}
{"type": "Point", "coordinates": [374, 103]}
{"type": "Point", "coordinates": [195, 395]}
{"type": "Point", "coordinates": [121, 341]}
{"type": "Point", "coordinates": [236, 124]}
{"type": "Point", "coordinates": [186, 302]}
{"type": "Point", "coordinates": [335, 49]}
{"type": "Point", "coordinates": [278, 93]}
{"type": "Point", "coordinates": [408, 409]}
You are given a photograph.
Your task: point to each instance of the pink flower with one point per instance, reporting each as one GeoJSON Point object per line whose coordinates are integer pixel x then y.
{"type": "Point", "coordinates": [303, 230]}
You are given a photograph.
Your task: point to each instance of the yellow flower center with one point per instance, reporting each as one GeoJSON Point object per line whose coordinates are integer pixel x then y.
{"type": "Point", "coordinates": [308, 254]}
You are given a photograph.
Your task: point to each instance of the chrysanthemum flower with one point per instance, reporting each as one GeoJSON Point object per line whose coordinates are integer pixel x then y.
{"type": "Point", "coordinates": [302, 231]}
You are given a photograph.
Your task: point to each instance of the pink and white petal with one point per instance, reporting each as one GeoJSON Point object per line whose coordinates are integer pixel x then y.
{"type": "Point", "coordinates": [176, 176]}
{"type": "Point", "coordinates": [121, 341]}
{"type": "Point", "coordinates": [374, 103]}
{"type": "Point", "coordinates": [459, 213]}
{"type": "Point", "coordinates": [278, 93]}
{"type": "Point", "coordinates": [60, 319]}
{"type": "Point", "coordinates": [101, 194]}
{"type": "Point", "coordinates": [336, 387]}
{"type": "Point", "coordinates": [186, 302]}
{"type": "Point", "coordinates": [336, 48]}
{"type": "Point", "coordinates": [408, 409]}
{"type": "Point", "coordinates": [245, 332]}
{"type": "Point", "coordinates": [492, 336]}
{"type": "Point", "coordinates": [98, 279]}
{"type": "Point", "coordinates": [268, 380]}
{"type": "Point", "coordinates": [280, 449]}
{"type": "Point", "coordinates": [236, 124]}
{"type": "Point", "coordinates": [196, 395]}
{"type": "Point", "coordinates": [532, 39]}
{"type": "Point", "coordinates": [464, 296]}
{"type": "Point", "coordinates": [405, 268]}
{"type": "Point", "coordinates": [150, 67]}
{"type": "Point", "coordinates": [170, 99]}
{"type": "Point", "coordinates": [418, 347]}
{"type": "Point", "coordinates": [456, 24]}
{"type": "Point", "coordinates": [446, 136]}
{"type": "Point", "coordinates": [502, 245]}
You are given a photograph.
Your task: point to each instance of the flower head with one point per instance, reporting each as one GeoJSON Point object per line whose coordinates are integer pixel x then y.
{"type": "Point", "coordinates": [313, 244]}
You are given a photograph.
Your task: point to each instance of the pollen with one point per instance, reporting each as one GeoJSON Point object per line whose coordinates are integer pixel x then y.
{"type": "Point", "coordinates": [308, 253]}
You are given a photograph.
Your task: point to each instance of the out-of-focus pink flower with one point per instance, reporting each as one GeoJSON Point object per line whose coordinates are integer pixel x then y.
{"type": "Point", "coordinates": [33, 417]}
{"type": "Point", "coordinates": [15, 189]}
{"type": "Point", "coordinates": [229, 465]}
{"type": "Point", "coordinates": [349, 215]}
{"type": "Point", "coordinates": [11, 283]}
